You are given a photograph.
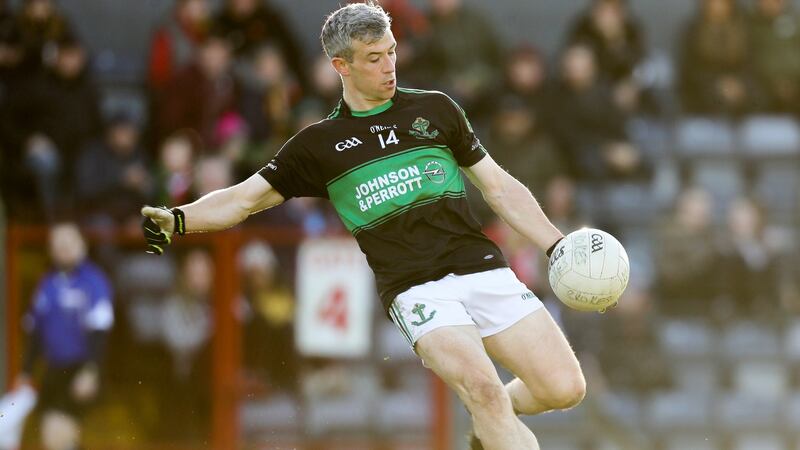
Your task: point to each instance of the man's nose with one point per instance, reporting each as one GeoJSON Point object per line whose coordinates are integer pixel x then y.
{"type": "Point", "coordinates": [388, 65]}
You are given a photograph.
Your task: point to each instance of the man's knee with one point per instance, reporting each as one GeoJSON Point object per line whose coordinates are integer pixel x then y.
{"type": "Point", "coordinates": [564, 391]}
{"type": "Point", "coordinates": [567, 392]}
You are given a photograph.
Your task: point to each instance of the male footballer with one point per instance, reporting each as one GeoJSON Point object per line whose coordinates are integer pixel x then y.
{"type": "Point", "coordinates": [388, 159]}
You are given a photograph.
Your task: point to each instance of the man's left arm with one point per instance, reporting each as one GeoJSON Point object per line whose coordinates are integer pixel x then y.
{"type": "Point", "coordinates": [513, 202]}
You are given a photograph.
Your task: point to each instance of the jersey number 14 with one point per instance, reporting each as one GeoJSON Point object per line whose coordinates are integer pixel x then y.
{"type": "Point", "coordinates": [392, 139]}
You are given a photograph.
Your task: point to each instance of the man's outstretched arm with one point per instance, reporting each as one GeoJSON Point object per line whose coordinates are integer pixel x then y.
{"type": "Point", "coordinates": [513, 202]}
{"type": "Point", "coordinates": [215, 211]}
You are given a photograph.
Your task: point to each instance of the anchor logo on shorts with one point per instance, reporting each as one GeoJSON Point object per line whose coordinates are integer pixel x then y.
{"type": "Point", "coordinates": [419, 309]}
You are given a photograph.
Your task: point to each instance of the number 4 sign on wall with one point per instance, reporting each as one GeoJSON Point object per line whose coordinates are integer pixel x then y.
{"type": "Point", "coordinates": [335, 297]}
{"type": "Point", "coordinates": [334, 309]}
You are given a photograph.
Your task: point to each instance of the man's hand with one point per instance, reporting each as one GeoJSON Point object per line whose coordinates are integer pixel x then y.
{"type": "Point", "coordinates": [157, 226]}
{"type": "Point", "coordinates": [86, 384]}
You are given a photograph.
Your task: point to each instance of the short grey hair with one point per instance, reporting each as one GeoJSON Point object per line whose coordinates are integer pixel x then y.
{"type": "Point", "coordinates": [366, 22]}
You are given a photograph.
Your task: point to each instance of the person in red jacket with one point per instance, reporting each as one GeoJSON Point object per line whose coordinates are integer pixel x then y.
{"type": "Point", "coordinates": [176, 41]}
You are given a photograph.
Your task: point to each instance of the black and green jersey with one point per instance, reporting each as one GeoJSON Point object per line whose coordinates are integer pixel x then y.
{"type": "Point", "coordinates": [392, 173]}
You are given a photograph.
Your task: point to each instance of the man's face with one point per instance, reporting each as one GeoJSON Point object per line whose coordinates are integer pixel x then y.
{"type": "Point", "coordinates": [578, 66]}
{"type": "Point", "coordinates": [70, 61]}
{"type": "Point", "coordinates": [67, 248]}
{"type": "Point", "coordinates": [123, 138]}
{"type": "Point", "coordinates": [372, 71]}
{"type": "Point", "coordinates": [215, 58]}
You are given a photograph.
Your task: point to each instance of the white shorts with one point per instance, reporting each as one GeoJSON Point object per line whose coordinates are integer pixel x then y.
{"type": "Point", "coordinates": [492, 301]}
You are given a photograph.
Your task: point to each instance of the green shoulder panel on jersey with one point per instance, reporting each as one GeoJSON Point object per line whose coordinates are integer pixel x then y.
{"type": "Point", "coordinates": [379, 190]}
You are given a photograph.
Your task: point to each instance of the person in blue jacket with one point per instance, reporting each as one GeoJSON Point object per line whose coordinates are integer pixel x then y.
{"type": "Point", "coordinates": [69, 318]}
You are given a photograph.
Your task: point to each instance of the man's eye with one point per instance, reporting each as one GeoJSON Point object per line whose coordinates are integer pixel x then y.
{"type": "Point", "coordinates": [374, 60]}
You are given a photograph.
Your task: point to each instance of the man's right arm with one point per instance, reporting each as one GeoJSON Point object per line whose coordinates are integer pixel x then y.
{"type": "Point", "coordinates": [221, 209]}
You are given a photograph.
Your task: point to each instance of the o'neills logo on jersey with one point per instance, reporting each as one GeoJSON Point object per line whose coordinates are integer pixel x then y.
{"type": "Point", "coordinates": [378, 128]}
{"type": "Point", "coordinates": [348, 143]}
{"type": "Point", "coordinates": [388, 186]}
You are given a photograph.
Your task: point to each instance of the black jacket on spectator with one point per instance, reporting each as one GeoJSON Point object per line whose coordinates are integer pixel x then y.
{"type": "Point", "coordinates": [584, 122]}
{"type": "Point", "coordinates": [65, 110]}
{"type": "Point", "coordinates": [614, 61]}
{"type": "Point", "coordinates": [714, 68]}
{"type": "Point", "coordinates": [264, 25]}
{"type": "Point", "coordinates": [103, 183]}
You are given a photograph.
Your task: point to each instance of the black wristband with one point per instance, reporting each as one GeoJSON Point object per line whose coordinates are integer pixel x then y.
{"type": "Point", "coordinates": [553, 247]}
{"type": "Point", "coordinates": [180, 221]}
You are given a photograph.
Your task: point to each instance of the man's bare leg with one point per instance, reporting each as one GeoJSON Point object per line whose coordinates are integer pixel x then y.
{"type": "Point", "coordinates": [456, 354]}
{"type": "Point", "coordinates": [537, 352]}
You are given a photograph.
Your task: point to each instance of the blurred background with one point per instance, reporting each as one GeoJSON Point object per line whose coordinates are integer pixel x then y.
{"type": "Point", "coordinates": [672, 125]}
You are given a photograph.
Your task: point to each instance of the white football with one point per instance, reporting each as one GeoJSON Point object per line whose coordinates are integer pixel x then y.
{"type": "Point", "coordinates": [589, 270]}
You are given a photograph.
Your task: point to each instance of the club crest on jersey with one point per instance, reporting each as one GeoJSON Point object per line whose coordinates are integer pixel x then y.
{"type": "Point", "coordinates": [420, 129]}
{"type": "Point", "coordinates": [435, 172]}
{"type": "Point", "coordinates": [348, 143]}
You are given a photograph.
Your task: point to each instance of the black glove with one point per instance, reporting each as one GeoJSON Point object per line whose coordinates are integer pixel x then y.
{"type": "Point", "coordinates": [155, 237]}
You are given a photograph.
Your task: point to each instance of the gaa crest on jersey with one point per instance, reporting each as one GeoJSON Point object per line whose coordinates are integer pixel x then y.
{"type": "Point", "coordinates": [347, 143]}
{"type": "Point", "coordinates": [435, 172]}
{"type": "Point", "coordinates": [419, 129]}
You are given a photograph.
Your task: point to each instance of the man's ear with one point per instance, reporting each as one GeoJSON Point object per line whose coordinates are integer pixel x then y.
{"type": "Point", "coordinates": [341, 66]}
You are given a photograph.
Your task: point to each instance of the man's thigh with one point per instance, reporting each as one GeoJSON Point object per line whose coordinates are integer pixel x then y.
{"type": "Point", "coordinates": [535, 350]}
{"type": "Point", "coordinates": [456, 354]}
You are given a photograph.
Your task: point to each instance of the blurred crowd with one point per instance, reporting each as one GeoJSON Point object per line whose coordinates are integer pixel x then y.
{"type": "Point", "coordinates": [592, 129]}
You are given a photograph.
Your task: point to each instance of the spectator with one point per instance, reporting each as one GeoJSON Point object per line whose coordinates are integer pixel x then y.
{"type": "Point", "coordinates": [250, 24]}
{"type": "Point", "coordinates": [201, 93]}
{"type": "Point", "coordinates": [775, 34]}
{"type": "Point", "coordinates": [460, 51]}
{"type": "Point", "coordinates": [520, 144]}
{"type": "Point", "coordinates": [589, 125]}
{"type": "Point", "coordinates": [688, 256]}
{"type": "Point", "coordinates": [751, 253]}
{"type": "Point", "coordinates": [632, 358]}
{"type": "Point", "coordinates": [269, 317]}
{"type": "Point", "coordinates": [269, 93]}
{"type": "Point", "coordinates": [613, 35]}
{"type": "Point", "coordinates": [174, 175]}
{"type": "Point", "coordinates": [42, 27]}
{"type": "Point", "coordinates": [526, 78]}
{"type": "Point", "coordinates": [212, 173]}
{"type": "Point", "coordinates": [11, 78]}
{"type": "Point", "coordinates": [186, 326]}
{"type": "Point", "coordinates": [112, 175]}
{"type": "Point", "coordinates": [186, 315]}
{"type": "Point", "coordinates": [714, 62]}
{"type": "Point", "coordinates": [326, 84]}
{"type": "Point", "coordinates": [70, 317]}
{"type": "Point", "coordinates": [60, 112]}
{"type": "Point", "coordinates": [11, 54]}
{"type": "Point", "coordinates": [176, 41]}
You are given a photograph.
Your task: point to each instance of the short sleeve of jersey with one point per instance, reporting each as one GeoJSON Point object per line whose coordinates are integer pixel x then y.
{"type": "Point", "coordinates": [293, 172]}
{"type": "Point", "coordinates": [466, 146]}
